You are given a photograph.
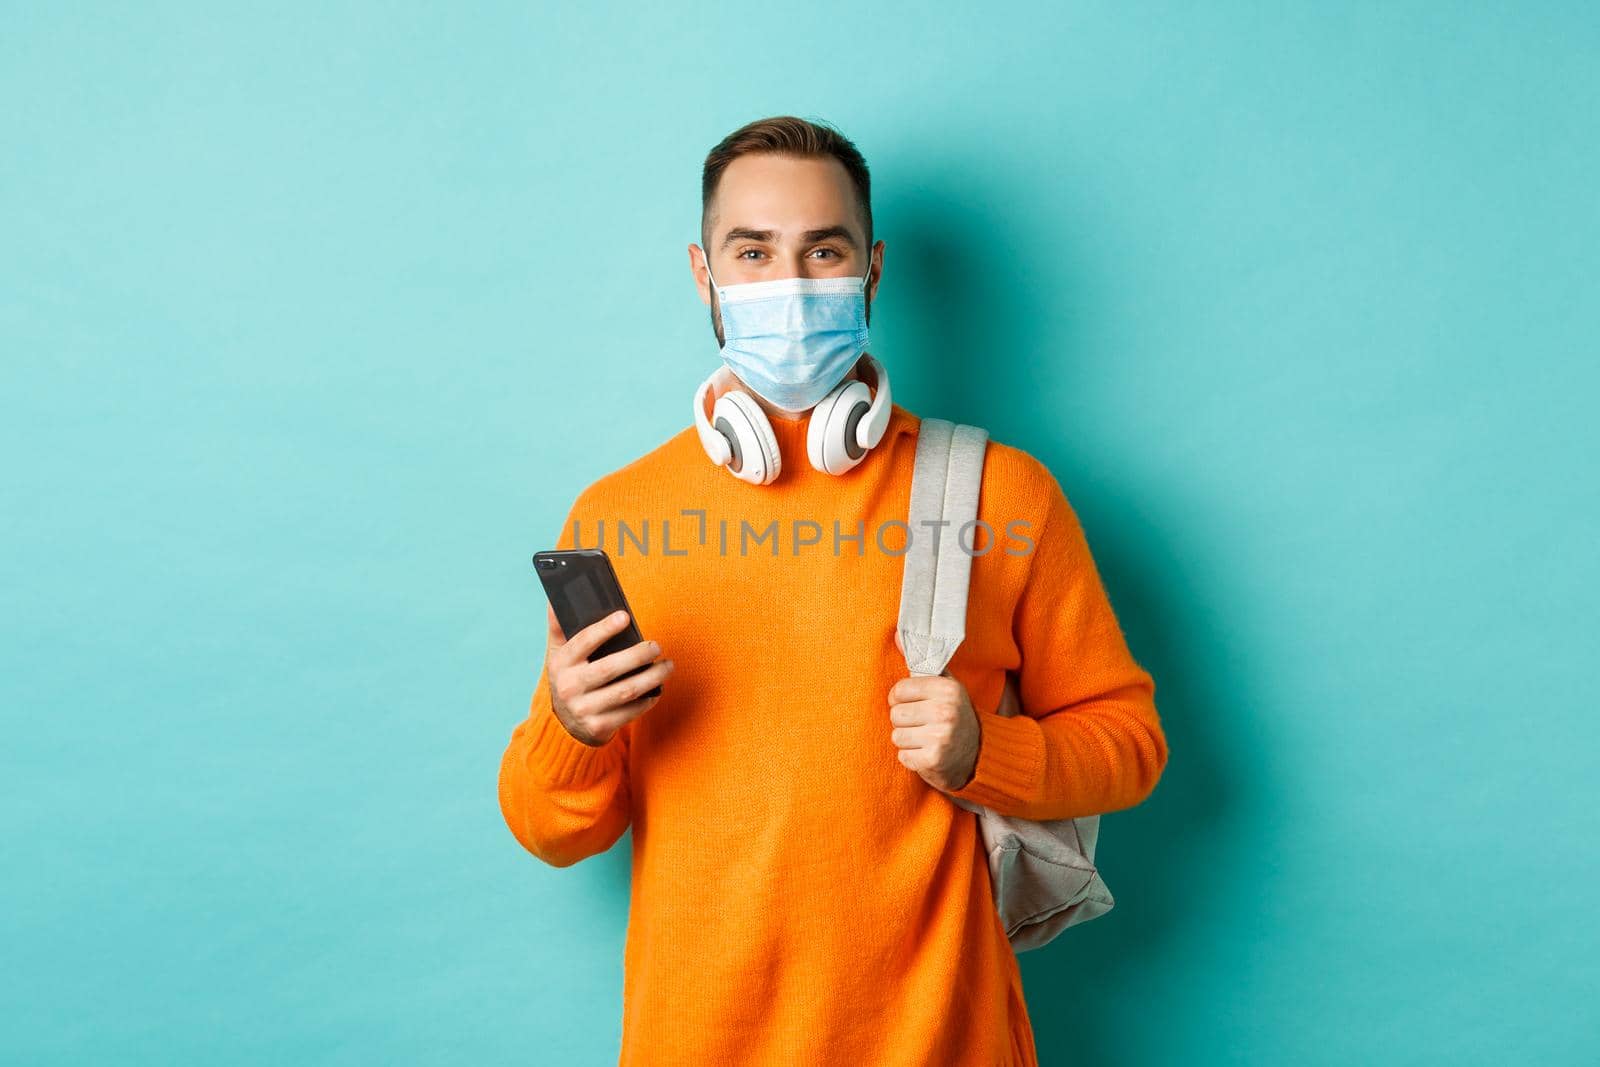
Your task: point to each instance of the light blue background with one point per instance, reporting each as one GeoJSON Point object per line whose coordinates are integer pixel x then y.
{"type": "Point", "coordinates": [313, 322]}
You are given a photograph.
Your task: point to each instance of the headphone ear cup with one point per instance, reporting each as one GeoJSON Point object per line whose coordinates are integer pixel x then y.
{"type": "Point", "coordinates": [831, 434]}
{"type": "Point", "coordinates": [755, 450]}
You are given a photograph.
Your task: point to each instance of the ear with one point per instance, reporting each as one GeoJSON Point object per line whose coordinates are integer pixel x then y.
{"type": "Point", "coordinates": [697, 267]}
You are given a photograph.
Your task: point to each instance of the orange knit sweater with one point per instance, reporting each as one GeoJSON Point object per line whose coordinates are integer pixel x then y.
{"type": "Point", "coordinates": [799, 896]}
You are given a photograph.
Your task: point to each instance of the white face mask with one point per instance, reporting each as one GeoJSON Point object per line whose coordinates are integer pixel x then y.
{"type": "Point", "coordinates": [791, 340]}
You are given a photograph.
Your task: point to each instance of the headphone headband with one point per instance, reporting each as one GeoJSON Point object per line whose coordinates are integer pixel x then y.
{"type": "Point", "coordinates": [870, 430]}
{"type": "Point", "coordinates": [714, 443]}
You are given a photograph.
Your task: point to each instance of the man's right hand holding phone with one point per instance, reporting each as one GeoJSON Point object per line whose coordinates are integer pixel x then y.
{"type": "Point", "coordinates": [590, 699]}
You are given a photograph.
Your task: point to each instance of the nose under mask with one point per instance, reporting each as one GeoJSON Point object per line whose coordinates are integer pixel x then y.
{"type": "Point", "coordinates": [791, 340]}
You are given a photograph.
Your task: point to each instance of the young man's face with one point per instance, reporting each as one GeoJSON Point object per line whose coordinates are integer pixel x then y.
{"type": "Point", "coordinates": [776, 216]}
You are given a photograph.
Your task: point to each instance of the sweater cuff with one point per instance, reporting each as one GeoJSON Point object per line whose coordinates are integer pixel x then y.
{"type": "Point", "coordinates": [560, 759]}
{"type": "Point", "coordinates": [1010, 762]}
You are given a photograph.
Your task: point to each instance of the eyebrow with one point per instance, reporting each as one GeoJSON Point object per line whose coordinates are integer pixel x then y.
{"type": "Point", "coordinates": [739, 233]}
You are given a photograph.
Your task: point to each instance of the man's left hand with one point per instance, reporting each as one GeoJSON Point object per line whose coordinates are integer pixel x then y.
{"type": "Point", "coordinates": [935, 729]}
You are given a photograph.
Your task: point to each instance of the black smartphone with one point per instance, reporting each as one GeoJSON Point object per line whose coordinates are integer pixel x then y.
{"type": "Point", "coordinates": [583, 589]}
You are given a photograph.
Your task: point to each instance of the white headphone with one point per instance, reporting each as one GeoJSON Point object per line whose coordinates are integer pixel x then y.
{"type": "Point", "coordinates": [843, 426]}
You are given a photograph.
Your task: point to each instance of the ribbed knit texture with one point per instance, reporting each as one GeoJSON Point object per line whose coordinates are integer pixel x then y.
{"type": "Point", "coordinates": [799, 896]}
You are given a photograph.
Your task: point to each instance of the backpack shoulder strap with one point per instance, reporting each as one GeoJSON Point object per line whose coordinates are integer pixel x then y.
{"type": "Point", "coordinates": [945, 480]}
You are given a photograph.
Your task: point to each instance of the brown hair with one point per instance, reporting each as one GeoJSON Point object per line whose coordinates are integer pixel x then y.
{"type": "Point", "coordinates": [786, 135]}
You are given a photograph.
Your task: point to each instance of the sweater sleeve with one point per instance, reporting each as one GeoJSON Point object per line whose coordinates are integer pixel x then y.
{"type": "Point", "coordinates": [1088, 739]}
{"type": "Point", "coordinates": [564, 800]}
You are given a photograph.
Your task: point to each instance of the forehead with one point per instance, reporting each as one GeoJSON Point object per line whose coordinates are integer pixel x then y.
{"type": "Point", "coordinates": [767, 191]}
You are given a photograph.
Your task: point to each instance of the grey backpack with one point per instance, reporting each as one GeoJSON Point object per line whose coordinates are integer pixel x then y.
{"type": "Point", "coordinates": [1042, 873]}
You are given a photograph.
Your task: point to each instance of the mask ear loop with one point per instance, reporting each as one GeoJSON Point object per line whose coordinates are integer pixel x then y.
{"type": "Point", "coordinates": [871, 428]}
{"type": "Point", "coordinates": [706, 259]}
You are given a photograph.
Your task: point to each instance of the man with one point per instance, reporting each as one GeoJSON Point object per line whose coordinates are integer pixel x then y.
{"type": "Point", "coordinates": [804, 892]}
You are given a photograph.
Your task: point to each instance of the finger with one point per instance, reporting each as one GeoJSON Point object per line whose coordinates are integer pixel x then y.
{"type": "Point", "coordinates": [616, 718]}
{"type": "Point", "coordinates": [625, 690]}
{"type": "Point", "coordinates": [908, 738]}
{"type": "Point", "coordinates": [920, 687]}
{"type": "Point", "coordinates": [554, 636]}
{"type": "Point", "coordinates": [911, 713]}
{"type": "Point", "coordinates": [932, 712]}
{"type": "Point", "coordinates": [607, 668]}
{"type": "Point", "coordinates": [583, 643]}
